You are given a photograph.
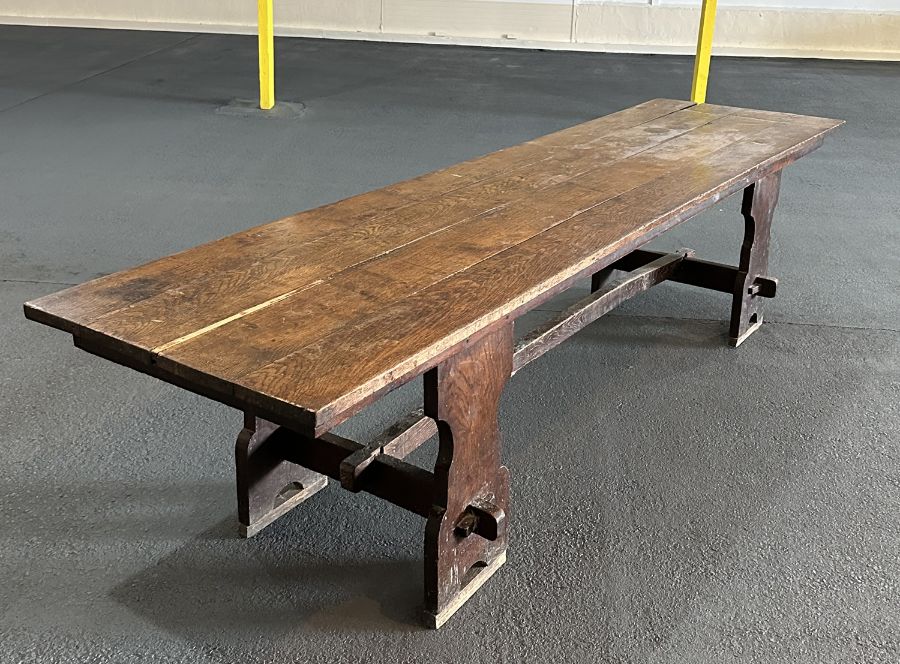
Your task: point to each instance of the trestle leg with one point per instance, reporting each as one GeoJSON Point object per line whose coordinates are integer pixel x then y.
{"type": "Point", "coordinates": [758, 208]}
{"type": "Point", "coordinates": [267, 485]}
{"type": "Point", "coordinates": [465, 537]}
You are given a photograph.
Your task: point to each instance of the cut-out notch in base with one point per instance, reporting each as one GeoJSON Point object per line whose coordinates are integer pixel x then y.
{"type": "Point", "coordinates": [283, 508]}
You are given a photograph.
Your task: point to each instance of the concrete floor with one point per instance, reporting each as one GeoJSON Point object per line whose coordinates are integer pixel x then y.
{"type": "Point", "coordinates": [674, 500]}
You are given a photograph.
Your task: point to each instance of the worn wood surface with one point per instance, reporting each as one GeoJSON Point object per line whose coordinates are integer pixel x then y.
{"type": "Point", "coordinates": [415, 428]}
{"type": "Point", "coordinates": [696, 272]}
{"type": "Point", "coordinates": [387, 477]}
{"type": "Point", "coordinates": [466, 530]}
{"type": "Point", "coordinates": [267, 485]}
{"type": "Point", "coordinates": [758, 208]}
{"type": "Point", "coordinates": [559, 328]}
{"type": "Point", "coordinates": [309, 318]}
{"type": "Point", "coordinates": [398, 440]}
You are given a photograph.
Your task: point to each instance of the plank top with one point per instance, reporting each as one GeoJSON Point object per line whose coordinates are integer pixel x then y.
{"type": "Point", "coordinates": [308, 318]}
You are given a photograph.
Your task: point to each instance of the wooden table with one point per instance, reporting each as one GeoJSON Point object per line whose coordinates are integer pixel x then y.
{"type": "Point", "coordinates": [303, 322]}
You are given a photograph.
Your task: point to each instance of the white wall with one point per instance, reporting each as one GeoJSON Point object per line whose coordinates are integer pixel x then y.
{"type": "Point", "coordinates": [849, 5]}
{"type": "Point", "coordinates": [809, 28]}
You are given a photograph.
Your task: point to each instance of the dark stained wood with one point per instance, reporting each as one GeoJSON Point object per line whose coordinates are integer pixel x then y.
{"type": "Point", "coordinates": [696, 272]}
{"type": "Point", "coordinates": [758, 208]}
{"type": "Point", "coordinates": [223, 335]}
{"type": "Point", "coordinates": [402, 272]}
{"type": "Point", "coordinates": [345, 370]}
{"type": "Point", "coordinates": [305, 321]}
{"type": "Point", "coordinates": [81, 305]}
{"type": "Point", "coordinates": [399, 440]}
{"type": "Point", "coordinates": [267, 485]}
{"type": "Point", "coordinates": [559, 328]}
{"type": "Point", "coordinates": [273, 274]}
{"type": "Point", "coordinates": [365, 288]}
{"type": "Point", "coordinates": [273, 365]}
{"type": "Point", "coordinates": [462, 394]}
{"type": "Point", "coordinates": [391, 479]}
{"type": "Point", "coordinates": [415, 428]}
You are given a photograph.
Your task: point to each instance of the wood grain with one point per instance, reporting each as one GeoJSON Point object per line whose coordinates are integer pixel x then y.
{"type": "Point", "coordinates": [345, 370]}
{"type": "Point", "coordinates": [580, 314]}
{"type": "Point", "coordinates": [312, 317]}
{"type": "Point", "coordinates": [416, 266]}
{"type": "Point", "coordinates": [80, 305]}
{"type": "Point", "coordinates": [274, 271]}
{"type": "Point", "coordinates": [462, 394]}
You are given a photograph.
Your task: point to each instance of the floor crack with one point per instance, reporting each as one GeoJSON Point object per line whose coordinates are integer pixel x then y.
{"type": "Point", "coordinates": [37, 281]}
{"type": "Point", "coordinates": [99, 73]}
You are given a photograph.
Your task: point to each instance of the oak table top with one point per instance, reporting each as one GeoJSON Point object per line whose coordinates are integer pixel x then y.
{"type": "Point", "coordinates": [309, 318]}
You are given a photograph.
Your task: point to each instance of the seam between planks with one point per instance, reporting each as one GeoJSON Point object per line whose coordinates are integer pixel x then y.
{"type": "Point", "coordinates": [371, 259]}
{"type": "Point", "coordinates": [267, 400]}
{"type": "Point", "coordinates": [578, 212]}
{"type": "Point", "coordinates": [329, 411]}
{"type": "Point", "coordinates": [409, 202]}
{"type": "Point", "coordinates": [240, 314]}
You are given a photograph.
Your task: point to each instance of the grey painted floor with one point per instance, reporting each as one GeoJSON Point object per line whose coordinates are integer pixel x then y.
{"type": "Point", "coordinates": [674, 500]}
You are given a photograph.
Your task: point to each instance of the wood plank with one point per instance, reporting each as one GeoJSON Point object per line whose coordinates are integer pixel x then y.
{"type": "Point", "coordinates": [476, 170]}
{"type": "Point", "coordinates": [82, 304]}
{"type": "Point", "coordinates": [274, 274]}
{"type": "Point", "coordinates": [184, 308]}
{"type": "Point", "coordinates": [336, 376]}
{"type": "Point", "coordinates": [288, 326]}
{"type": "Point", "coordinates": [455, 263]}
{"type": "Point", "coordinates": [559, 328]}
{"type": "Point", "coordinates": [391, 479]}
{"type": "Point", "coordinates": [471, 485]}
{"type": "Point", "coordinates": [398, 441]}
{"type": "Point", "coordinates": [365, 288]}
{"type": "Point", "coordinates": [415, 428]}
{"type": "Point", "coordinates": [696, 272]}
{"type": "Point", "coordinates": [592, 129]}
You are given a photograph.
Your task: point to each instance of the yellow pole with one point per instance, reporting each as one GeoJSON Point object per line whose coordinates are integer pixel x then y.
{"type": "Point", "coordinates": [266, 55]}
{"type": "Point", "coordinates": [704, 51]}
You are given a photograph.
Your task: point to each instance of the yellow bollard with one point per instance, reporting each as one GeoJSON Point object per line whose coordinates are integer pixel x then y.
{"type": "Point", "coordinates": [704, 51]}
{"type": "Point", "coordinates": [266, 55]}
